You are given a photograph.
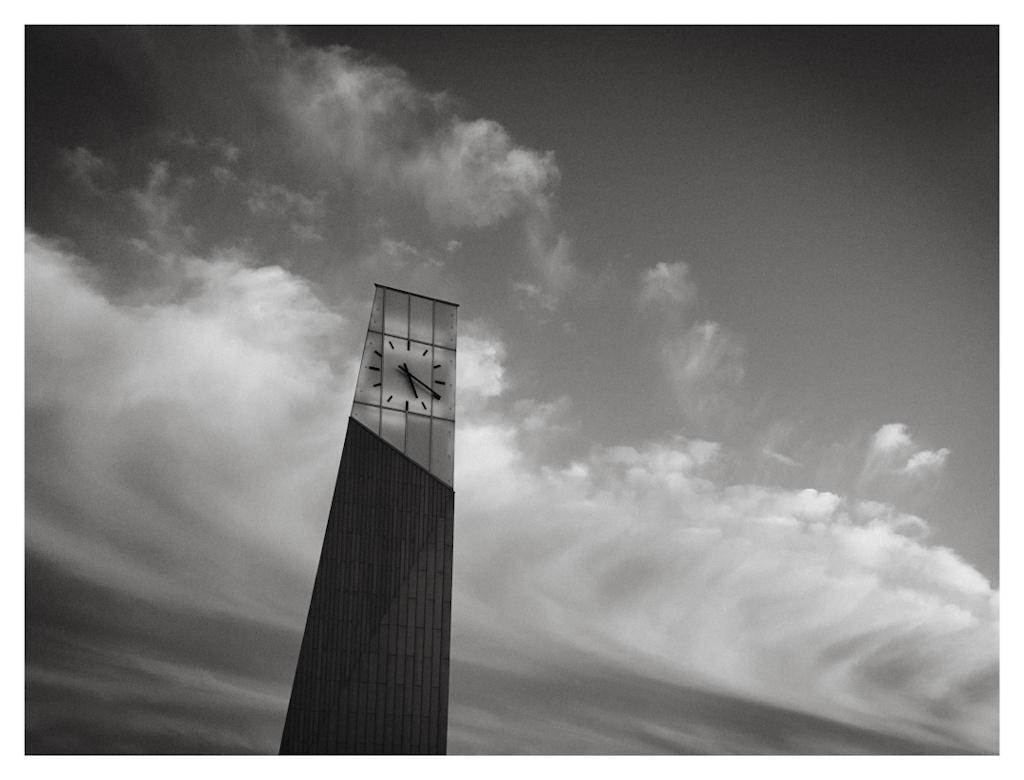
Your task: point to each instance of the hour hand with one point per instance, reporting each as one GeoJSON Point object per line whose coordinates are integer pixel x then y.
{"type": "Point", "coordinates": [410, 377]}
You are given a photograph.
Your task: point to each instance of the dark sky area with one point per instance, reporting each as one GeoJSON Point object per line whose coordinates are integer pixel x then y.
{"type": "Point", "coordinates": [727, 451]}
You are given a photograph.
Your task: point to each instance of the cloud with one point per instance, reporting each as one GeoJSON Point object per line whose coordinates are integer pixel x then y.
{"type": "Point", "coordinates": [472, 175]}
{"type": "Point", "coordinates": [84, 166]}
{"type": "Point", "coordinates": [371, 121]}
{"type": "Point", "coordinates": [643, 558]}
{"type": "Point", "coordinates": [219, 146]}
{"type": "Point", "coordinates": [302, 212]}
{"type": "Point", "coordinates": [891, 438]}
{"type": "Point", "coordinates": [925, 461]}
{"type": "Point", "coordinates": [160, 209]}
{"type": "Point", "coordinates": [572, 703]}
{"type": "Point", "coordinates": [277, 199]}
{"type": "Point", "coordinates": [778, 457]}
{"type": "Point", "coordinates": [667, 288]}
{"type": "Point", "coordinates": [154, 427]}
{"type": "Point", "coordinates": [550, 254]}
{"type": "Point", "coordinates": [223, 175]}
{"type": "Point", "coordinates": [480, 366]}
{"type": "Point", "coordinates": [109, 671]}
{"type": "Point", "coordinates": [705, 368]}
{"type": "Point", "coordinates": [894, 462]}
{"type": "Point", "coordinates": [404, 265]}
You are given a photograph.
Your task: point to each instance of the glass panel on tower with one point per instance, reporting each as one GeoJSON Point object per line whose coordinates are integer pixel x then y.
{"type": "Point", "coordinates": [368, 416]}
{"type": "Point", "coordinates": [392, 428]}
{"type": "Point", "coordinates": [377, 311]}
{"type": "Point", "coordinates": [443, 382]}
{"type": "Point", "coordinates": [396, 313]}
{"type": "Point", "coordinates": [442, 449]}
{"type": "Point", "coordinates": [444, 324]}
{"type": "Point", "coordinates": [421, 318]}
{"type": "Point", "coordinates": [368, 383]}
{"type": "Point", "coordinates": [417, 439]}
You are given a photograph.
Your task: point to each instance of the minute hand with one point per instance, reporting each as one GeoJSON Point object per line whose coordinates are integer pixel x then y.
{"type": "Point", "coordinates": [429, 388]}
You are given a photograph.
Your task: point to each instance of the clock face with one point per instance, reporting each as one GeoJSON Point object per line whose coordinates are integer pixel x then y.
{"type": "Point", "coordinates": [407, 380]}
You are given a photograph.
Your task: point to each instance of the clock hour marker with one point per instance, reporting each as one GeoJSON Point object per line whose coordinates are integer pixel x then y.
{"type": "Point", "coordinates": [423, 404]}
{"type": "Point", "coordinates": [439, 382]}
{"type": "Point", "coordinates": [407, 406]}
{"type": "Point", "coordinates": [390, 397]}
{"type": "Point", "coordinates": [373, 368]}
{"type": "Point", "coordinates": [408, 346]}
{"type": "Point", "coordinates": [391, 345]}
{"type": "Point", "coordinates": [426, 351]}
{"type": "Point", "coordinates": [377, 385]}
{"type": "Point", "coordinates": [375, 352]}
{"type": "Point", "coordinates": [438, 365]}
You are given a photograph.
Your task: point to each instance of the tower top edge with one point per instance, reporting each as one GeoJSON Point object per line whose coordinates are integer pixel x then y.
{"type": "Point", "coordinates": [418, 295]}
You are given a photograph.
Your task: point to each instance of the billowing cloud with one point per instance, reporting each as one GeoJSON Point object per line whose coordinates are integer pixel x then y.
{"type": "Point", "coordinates": [373, 122]}
{"type": "Point", "coordinates": [925, 461]}
{"type": "Point", "coordinates": [180, 449]}
{"type": "Point", "coordinates": [893, 460]}
{"type": "Point", "coordinates": [481, 365]}
{"type": "Point", "coordinates": [150, 422]}
{"type": "Point", "coordinates": [891, 438]}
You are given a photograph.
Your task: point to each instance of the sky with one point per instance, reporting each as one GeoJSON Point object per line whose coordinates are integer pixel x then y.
{"type": "Point", "coordinates": [727, 449]}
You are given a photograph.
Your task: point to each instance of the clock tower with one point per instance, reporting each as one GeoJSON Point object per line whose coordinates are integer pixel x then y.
{"type": "Point", "coordinates": [372, 672]}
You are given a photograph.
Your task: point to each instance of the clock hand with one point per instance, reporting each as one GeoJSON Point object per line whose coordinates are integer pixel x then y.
{"type": "Point", "coordinates": [410, 378]}
{"type": "Point", "coordinates": [432, 391]}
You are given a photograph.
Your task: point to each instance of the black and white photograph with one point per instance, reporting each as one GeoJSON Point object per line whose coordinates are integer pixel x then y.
{"type": "Point", "coordinates": [591, 390]}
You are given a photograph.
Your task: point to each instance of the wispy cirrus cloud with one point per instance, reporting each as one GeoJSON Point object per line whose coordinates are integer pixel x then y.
{"type": "Point", "coordinates": [159, 205]}
{"type": "Point", "coordinates": [222, 148]}
{"type": "Point", "coordinates": [84, 167]}
{"type": "Point", "coordinates": [302, 212]}
{"type": "Point", "coordinates": [706, 370]}
{"type": "Point", "coordinates": [703, 360]}
{"type": "Point", "coordinates": [822, 602]}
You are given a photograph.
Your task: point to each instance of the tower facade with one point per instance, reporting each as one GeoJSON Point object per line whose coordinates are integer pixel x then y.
{"type": "Point", "coordinates": [372, 675]}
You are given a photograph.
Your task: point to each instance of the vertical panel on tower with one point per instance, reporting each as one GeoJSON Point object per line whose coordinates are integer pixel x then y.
{"type": "Point", "coordinates": [372, 672]}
